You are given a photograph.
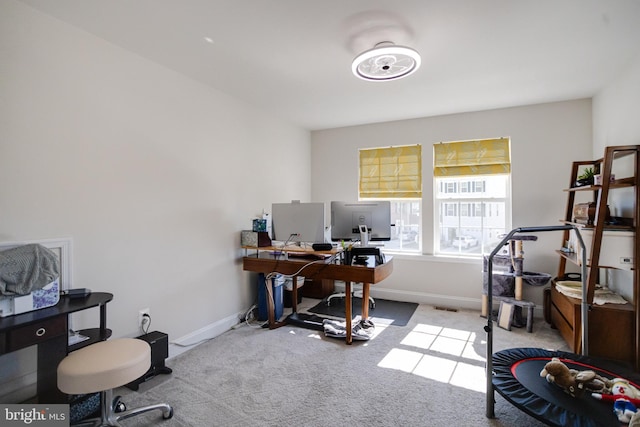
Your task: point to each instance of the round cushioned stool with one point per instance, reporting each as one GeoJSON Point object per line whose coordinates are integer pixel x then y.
{"type": "Point", "coordinates": [103, 366]}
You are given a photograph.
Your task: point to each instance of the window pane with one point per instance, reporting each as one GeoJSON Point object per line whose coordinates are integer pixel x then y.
{"type": "Point", "coordinates": [469, 222]}
{"type": "Point", "coordinates": [406, 236]}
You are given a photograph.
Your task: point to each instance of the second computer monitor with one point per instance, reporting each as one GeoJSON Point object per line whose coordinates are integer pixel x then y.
{"type": "Point", "coordinates": [347, 217]}
{"type": "Point", "coordinates": [298, 222]}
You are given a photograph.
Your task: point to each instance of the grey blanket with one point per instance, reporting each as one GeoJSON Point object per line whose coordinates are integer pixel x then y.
{"type": "Point", "coordinates": [27, 268]}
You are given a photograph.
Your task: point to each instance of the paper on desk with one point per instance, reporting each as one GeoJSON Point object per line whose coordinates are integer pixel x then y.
{"type": "Point", "coordinates": [76, 338]}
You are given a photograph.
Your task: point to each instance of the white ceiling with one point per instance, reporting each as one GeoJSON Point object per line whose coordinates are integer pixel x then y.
{"type": "Point", "coordinates": [293, 57]}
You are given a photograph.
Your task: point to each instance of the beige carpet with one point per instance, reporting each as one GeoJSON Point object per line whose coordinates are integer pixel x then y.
{"type": "Point", "coordinates": [428, 373]}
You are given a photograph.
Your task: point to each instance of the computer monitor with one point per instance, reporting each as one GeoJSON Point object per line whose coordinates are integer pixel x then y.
{"type": "Point", "coordinates": [347, 217]}
{"type": "Point", "coordinates": [298, 222]}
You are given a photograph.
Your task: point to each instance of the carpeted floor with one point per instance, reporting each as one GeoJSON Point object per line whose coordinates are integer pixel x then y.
{"type": "Point", "coordinates": [427, 373]}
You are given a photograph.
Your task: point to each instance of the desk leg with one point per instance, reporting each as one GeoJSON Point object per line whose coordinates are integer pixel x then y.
{"type": "Point", "coordinates": [103, 322]}
{"type": "Point", "coordinates": [271, 309]}
{"type": "Point", "coordinates": [50, 354]}
{"type": "Point", "coordinates": [294, 295]}
{"type": "Point", "coordinates": [347, 311]}
{"type": "Point", "coordinates": [365, 301]}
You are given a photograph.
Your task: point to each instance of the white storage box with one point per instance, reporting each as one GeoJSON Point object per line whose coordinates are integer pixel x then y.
{"type": "Point", "coordinates": [41, 298]}
{"type": "Point", "coordinates": [288, 283]}
{"type": "Point", "coordinates": [616, 250]}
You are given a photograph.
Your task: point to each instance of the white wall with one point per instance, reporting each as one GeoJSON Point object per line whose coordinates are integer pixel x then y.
{"type": "Point", "coordinates": [615, 111]}
{"type": "Point", "coordinates": [152, 174]}
{"type": "Point", "coordinates": [545, 140]}
{"type": "Point", "coordinates": [615, 122]}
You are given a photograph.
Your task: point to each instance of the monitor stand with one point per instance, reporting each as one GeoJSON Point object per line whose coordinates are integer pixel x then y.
{"type": "Point", "coordinates": [364, 236]}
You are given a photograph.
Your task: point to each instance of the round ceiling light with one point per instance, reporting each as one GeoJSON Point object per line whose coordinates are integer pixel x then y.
{"type": "Point", "coordinates": [386, 61]}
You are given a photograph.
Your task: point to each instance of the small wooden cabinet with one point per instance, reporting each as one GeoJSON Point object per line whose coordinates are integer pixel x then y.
{"type": "Point", "coordinates": [317, 288]}
{"type": "Point", "coordinates": [613, 329]}
{"type": "Point", "coordinates": [603, 319]}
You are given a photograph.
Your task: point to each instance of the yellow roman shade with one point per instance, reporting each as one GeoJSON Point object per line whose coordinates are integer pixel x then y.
{"type": "Point", "coordinates": [464, 158]}
{"type": "Point", "coordinates": [391, 172]}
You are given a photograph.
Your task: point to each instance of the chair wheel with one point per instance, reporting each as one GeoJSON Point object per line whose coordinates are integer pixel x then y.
{"type": "Point", "coordinates": [168, 415]}
{"type": "Point", "coordinates": [118, 405]}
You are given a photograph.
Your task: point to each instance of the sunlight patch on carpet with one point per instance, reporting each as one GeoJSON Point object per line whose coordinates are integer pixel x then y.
{"type": "Point", "coordinates": [401, 360]}
{"type": "Point", "coordinates": [471, 377]}
{"type": "Point", "coordinates": [435, 368]}
{"type": "Point", "coordinates": [441, 354]}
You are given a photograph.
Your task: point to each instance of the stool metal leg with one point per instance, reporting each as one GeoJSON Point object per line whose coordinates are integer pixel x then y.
{"type": "Point", "coordinates": [105, 409]}
{"type": "Point", "coordinates": [109, 416]}
{"type": "Point", "coordinates": [167, 411]}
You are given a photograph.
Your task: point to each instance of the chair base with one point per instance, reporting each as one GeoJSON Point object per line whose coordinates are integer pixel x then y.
{"type": "Point", "coordinates": [109, 415]}
{"type": "Point", "coordinates": [372, 302]}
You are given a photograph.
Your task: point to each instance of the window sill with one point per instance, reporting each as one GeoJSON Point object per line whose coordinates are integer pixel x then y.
{"type": "Point", "coordinates": [435, 258]}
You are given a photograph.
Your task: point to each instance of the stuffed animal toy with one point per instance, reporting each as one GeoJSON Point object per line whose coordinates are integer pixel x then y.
{"type": "Point", "coordinates": [625, 398]}
{"type": "Point", "coordinates": [574, 382]}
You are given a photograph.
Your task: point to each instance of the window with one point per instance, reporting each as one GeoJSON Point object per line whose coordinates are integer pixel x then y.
{"type": "Point", "coordinates": [395, 174]}
{"type": "Point", "coordinates": [472, 197]}
{"type": "Point", "coordinates": [405, 214]}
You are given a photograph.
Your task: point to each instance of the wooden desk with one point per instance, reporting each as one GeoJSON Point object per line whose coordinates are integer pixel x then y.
{"type": "Point", "coordinates": [265, 262]}
{"type": "Point", "coordinates": [48, 328]}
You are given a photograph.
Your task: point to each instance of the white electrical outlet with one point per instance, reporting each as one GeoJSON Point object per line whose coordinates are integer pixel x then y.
{"type": "Point", "coordinates": [142, 319]}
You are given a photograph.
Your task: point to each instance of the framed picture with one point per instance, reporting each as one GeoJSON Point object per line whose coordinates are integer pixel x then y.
{"type": "Point", "coordinates": [505, 315]}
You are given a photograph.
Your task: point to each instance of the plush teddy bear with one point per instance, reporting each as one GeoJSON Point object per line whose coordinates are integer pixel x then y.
{"type": "Point", "coordinates": [625, 398]}
{"type": "Point", "coordinates": [635, 420]}
{"type": "Point", "coordinates": [574, 382]}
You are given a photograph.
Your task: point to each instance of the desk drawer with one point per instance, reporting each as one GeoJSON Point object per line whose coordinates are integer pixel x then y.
{"type": "Point", "coordinates": [36, 333]}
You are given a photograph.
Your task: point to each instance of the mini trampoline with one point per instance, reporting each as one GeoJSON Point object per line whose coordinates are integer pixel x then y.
{"type": "Point", "coordinates": [515, 373]}
{"type": "Point", "coordinates": [516, 377]}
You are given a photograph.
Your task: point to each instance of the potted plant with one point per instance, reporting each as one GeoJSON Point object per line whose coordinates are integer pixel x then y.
{"type": "Point", "coordinates": [586, 177]}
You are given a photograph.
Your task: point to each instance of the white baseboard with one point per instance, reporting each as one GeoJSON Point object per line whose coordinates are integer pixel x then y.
{"type": "Point", "coordinates": [437, 300]}
{"type": "Point", "coordinates": [195, 338]}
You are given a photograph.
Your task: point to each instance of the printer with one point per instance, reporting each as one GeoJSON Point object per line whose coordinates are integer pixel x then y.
{"type": "Point", "coordinates": [29, 279]}
{"type": "Point", "coordinates": [40, 298]}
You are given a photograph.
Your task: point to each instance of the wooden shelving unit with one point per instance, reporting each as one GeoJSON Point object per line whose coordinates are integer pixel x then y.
{"type": "Point", "coordinates": [614, 329]}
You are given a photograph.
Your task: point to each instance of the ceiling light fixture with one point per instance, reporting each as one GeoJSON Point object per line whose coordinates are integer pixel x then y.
{"type": "Point", "coordinates": [386, 61]}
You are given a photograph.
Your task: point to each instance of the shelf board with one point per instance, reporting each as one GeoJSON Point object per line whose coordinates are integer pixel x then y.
{"type": "Point", "coordinates": [94, 334]}
{"type": "Point", "coordinates": [577, 301]}
{"type": "Point", "coordinates": [573, 258]}
{"type": "Point", "coordinates": [618, 183]}
{"type": "Point", "coordinates": [570, 256]}
{"type": "Point", "coordinates": [607, 227]}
